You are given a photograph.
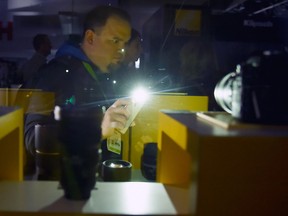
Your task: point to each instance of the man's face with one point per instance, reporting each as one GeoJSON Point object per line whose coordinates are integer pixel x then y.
{"type": "Point", "coordinates": [108, 43]}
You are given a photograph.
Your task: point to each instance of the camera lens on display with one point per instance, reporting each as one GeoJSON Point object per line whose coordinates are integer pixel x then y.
{"type": "Point", "coordinates": [79, 136]}
{"type": "Point", "coordinates": [223, 92]}
{"type": "Point", "coordinates": [47, 156]}
{"type": "Point", "coordinates": [116, 170]}
{"type": "Point", "coordinates": [149, 161]}
{"type": "Point", "coordinates": [256, 91]}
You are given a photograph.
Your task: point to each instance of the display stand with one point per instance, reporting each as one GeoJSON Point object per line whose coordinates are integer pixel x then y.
{"type": "Point", "coordinates": [11, 143]}
{"type": "Point", "coordinates": [226, 171]}
{"type": "Point", "coordinates": [147, 121]}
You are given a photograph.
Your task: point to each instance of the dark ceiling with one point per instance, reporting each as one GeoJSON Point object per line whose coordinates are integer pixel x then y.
{"type": "Point", "coordinates": [277, 8]}
{"type": "Point", "coordinates": [218, 6]}
{"type": "Point", "coordinates": [29, 16]}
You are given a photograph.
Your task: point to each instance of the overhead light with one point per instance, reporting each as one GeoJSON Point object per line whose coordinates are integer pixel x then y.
{"type": "Point", "coordinates": [70, 22]}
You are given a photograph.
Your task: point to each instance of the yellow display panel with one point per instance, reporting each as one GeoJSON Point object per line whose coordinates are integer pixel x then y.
{"type": "Point", "coordinates": [146, 122]}
{"type": "Point", "coordinates": [11, 144]}
{"type": "Point", "coordinates": [243, 169]}
{"type": "Point", "coordinates": [31, 100]}
{"type": "Point", "coordinates": [12, 155]}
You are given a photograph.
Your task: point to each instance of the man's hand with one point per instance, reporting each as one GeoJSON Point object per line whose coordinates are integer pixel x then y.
{"type": "Point", "coordinates": [116, 117]}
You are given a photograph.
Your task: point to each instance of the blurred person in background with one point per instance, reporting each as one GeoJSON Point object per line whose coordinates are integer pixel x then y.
{"type": "Point", "coordinates": [42, 46]}
{"type": "Point", "coordinates": [128, 75]}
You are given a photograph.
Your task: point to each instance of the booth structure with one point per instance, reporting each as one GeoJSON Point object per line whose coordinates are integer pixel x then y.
{"type": "Point", "coordinates": [203, 169]}
{"type": "Point", "coordinates": [237, 170]}
{"type": "Point", "coordinates": [20, 197]}
{"type": "Point", "coordinates": [14, 104]}
{"type": "Point", "coordinates": [208, 163]}
{"type": "Point", "coordinates": [30, 100]}
{"type": "Point", "coordinates": [147, 121]}
{"type": "Point", "coordinates": [11, 144]}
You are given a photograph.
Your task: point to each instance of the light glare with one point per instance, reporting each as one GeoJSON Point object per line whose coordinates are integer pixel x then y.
{"type": "Point", "coordinates": [140, 95]}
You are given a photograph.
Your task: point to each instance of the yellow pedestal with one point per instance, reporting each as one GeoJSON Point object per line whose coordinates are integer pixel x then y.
{"type": "Point", "coordinates": [239, 171]}
{"type": "Point", "coordinates": [146, 122]}
{"type": "Point", "coordinates": [11, 143]}
{"type": "Point", "coordinates": [30, 100]}
{"type": "Point", "coordinates": [11, 126]}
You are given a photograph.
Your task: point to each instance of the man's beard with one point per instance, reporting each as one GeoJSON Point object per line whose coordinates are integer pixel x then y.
{"type": "Point", "coordinates": [113, 67]}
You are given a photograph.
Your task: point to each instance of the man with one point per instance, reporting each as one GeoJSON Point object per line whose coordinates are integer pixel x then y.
{"type": "Point", "coordinates": [77, 75]}
{"type": "Point", "coordinates": [42, 46]}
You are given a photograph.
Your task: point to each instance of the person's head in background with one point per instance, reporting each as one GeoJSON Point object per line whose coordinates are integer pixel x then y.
{"type": "Point", "coordinates": [42, 44]}
{"type": "Point", "coordinates": [133, 48]}
{"type": "Point", "coordinates": [106, 31]}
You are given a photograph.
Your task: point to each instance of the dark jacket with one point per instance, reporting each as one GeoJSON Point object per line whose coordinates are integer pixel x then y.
{"type": "Point", "coordinates": [72, 84]}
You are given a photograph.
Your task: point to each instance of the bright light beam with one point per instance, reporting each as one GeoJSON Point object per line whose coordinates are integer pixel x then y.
{"type": "Point", "coordinates": [140, 95]}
